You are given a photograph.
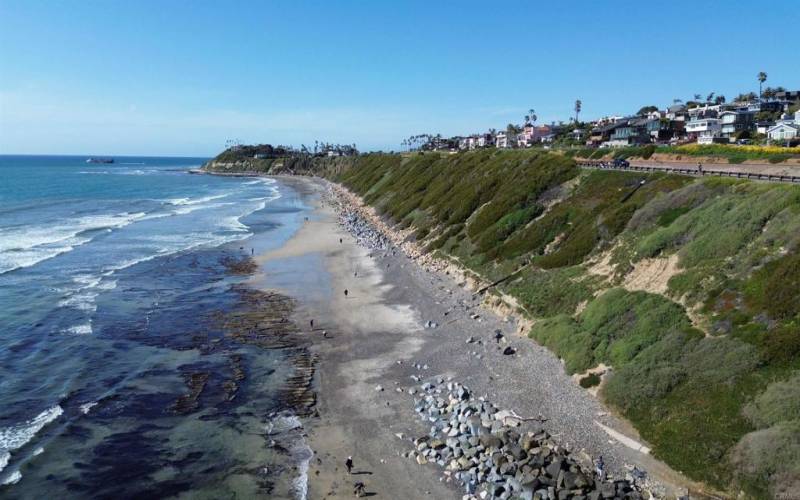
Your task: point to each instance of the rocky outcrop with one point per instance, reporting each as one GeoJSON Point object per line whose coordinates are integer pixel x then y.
{"type": "Point", "coordinates": [494, 453]}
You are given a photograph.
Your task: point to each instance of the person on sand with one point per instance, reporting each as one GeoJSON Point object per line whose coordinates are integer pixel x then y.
{"type": "Point", "coordinates": [345, 293]}
{"type": "Point", "coordinates": [312, 324]}
{"type": "Point", "coordinates": [600, 468]}
{"type": "Point", "coordinates": [325, 334]}
{"type": "Point", "coordinates": [340, 240]}
{"type": "Point", "coordinates": [349, 465]}
{"type": "Point", "coordinates": [359, 489]}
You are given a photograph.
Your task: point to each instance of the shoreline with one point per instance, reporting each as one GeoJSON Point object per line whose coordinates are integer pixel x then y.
{"type": "Point", "coordinates": [377, 335]}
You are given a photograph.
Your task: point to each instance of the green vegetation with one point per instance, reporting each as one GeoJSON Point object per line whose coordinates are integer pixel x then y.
{"type": "Point", "coordinates": [716, 395]}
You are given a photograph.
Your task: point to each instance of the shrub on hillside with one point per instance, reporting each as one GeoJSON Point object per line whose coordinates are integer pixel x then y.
{"type": "Point", "coordinates": [778, 403]}
{"type": "Point", "coordinates": [767, 461]}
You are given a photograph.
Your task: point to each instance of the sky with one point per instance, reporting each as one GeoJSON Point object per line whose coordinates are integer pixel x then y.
{"type": "Point", "coordinates": [173, 77]}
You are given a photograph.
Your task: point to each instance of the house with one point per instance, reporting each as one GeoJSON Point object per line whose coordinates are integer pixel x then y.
{"type": "Point", "coordinates": [655, 115]}
{"type": "Point", "coordinates": [734, 122]}
{"type": "Point", "coordinates": [793, 96]}
{"type": "Point", "coordinates": [705, 130]}
{"type": "Point", "coordinates": [602, 134]}
{"type": "Point", "coordinates": [629, 132]}
{"type": "Point", "coordinates": [676, 112]}
{"type": "Point", "coordinates": [762, 127]}
{"type": "Point", "coordinates": [784, 131]}
{"type": "Point", "coordinates": [705, 111]}
{"type": "Point", "coordinates": [503, 140]}
{"type": "Point", "coordinates": [661, 129]}
{"type": "Point", "coordinates": [485, 140]}
{"type": "Point", "coordinates": [532, 134]}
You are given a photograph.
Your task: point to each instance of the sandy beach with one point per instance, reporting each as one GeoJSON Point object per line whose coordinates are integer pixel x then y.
{"type": "Point", "coordinates": [370, 343]}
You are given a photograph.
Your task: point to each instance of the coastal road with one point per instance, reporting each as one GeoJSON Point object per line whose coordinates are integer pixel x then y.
{"type": "Point", "coordinates": [751, 171]}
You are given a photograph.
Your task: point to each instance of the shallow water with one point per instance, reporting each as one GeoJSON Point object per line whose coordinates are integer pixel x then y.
{"type": "Point", "coordinates": [119, 374]}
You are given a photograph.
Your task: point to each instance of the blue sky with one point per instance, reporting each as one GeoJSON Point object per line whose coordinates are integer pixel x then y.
{"type": "Point", "coordinates": [182, 77]}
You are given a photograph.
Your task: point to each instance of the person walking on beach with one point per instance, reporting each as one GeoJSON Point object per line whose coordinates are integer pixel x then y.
{"type": "Point", "coordinates": [312, 324]}
{"type": "Point", "coordinates": [600, 468]}
{"type": "Point", "coordinates": [340, 240]}
{"type": "Point", "coordinates": [359, 489]}
{"type": "Point", "coordinates": [349, 464]}
{"type": "Point", "coordinates": [345, 293]}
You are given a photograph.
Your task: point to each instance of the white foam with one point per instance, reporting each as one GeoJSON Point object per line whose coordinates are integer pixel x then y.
{"type": "Point", "coordinates": [86, 407]}
{"type": "Point", "coordinates": [84, 329]}
{"type": "Point", "coordinates": [82, 301]}
{"type": "Point", "coordinates": [303, 453]}
{"type": "Point", "coordinates": [4, 459]}
{"type": "Point", "coordinates": [300, 451]}
{"type": "Point", "coordinates": [13, 478]}
{"type": "Point", "coordinates": [38, 451]}
{"type": "Point", "coordinates": [25, 246]}
{"type": "Point", "coordinates": [16, 436]}
{"type": "Point", "coordinates": [197, 201]}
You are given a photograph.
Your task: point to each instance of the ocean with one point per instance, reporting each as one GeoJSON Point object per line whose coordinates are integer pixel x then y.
{"type": "Point", "coordinates": [125, 367]}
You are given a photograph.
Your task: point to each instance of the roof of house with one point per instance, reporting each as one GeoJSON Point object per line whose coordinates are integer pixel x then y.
{"type": "Point", "coordinates": [779, 125]}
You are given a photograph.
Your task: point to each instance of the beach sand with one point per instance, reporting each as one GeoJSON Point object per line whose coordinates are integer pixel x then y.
{"type": "Point", "coordinates": [375, 337]}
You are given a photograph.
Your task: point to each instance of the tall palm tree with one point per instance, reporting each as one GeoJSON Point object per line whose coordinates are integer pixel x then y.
{"type": "Point", "coordinates": [762, 77]}
{"type": "Point", "coordinates": [697, 97]}
{"type": "Point", "coordinates": [578, 105]}
{"type": "Point", "coordinates": [532, 115]}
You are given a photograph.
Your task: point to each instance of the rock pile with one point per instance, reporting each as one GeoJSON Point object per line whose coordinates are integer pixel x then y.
{"type": "Point", "coordinates": [363, 231]}
{"type": "Point", "coordinates": [482, 450]}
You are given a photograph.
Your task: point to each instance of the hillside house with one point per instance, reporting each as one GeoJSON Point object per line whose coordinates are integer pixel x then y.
{"type": "Point", "coordinates": [629, 132]}
{"type": "Point", "coordinates": [705, 130]}
{"type": "Point", "coordinates": [734, 122]}
{"type": "Point", "coordinates": [502, 140]}
{"type": "Point", "coordinates": [783, 132]}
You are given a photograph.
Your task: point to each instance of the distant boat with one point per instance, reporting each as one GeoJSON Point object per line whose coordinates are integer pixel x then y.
{"type": "Point", "coordinates": [100, 160]}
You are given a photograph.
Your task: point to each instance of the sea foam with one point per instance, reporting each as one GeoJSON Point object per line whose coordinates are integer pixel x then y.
{"type": "Point", "coordinates": [15, 437]}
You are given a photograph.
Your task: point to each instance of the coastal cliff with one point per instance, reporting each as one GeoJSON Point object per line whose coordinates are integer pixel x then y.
{"type": "Point", "coordinates": [305, 165]}
{"type": "Point", "coordinates": [676, 297]}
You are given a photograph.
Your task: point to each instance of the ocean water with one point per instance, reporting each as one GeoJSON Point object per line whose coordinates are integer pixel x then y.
{"type": "Point", "coordinates": [119, 375]}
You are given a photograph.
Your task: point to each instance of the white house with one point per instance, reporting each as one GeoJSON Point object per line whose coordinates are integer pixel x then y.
{"type": "Point", "coordinates": [705, 130]}
{"type": "Point", "coordinates": [784, 131]}
{"type": "Point", "coordinates": [502, 140]}
{"type": "Point", "coordinates": [485, 140]}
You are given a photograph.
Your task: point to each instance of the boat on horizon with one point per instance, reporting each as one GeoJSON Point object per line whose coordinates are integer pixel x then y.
{"type": "Point", "coordinates": [100, 160]}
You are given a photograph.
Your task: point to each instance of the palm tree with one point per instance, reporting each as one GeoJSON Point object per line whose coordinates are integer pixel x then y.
{"type": "Point", "coordinates": [578, 105]}
{"type": "Point", "coordinates": [697, 97]}
{"type": "Point", "coordinates": [532, 115]}
{"type": "Point", "coordinates": [762, 77]}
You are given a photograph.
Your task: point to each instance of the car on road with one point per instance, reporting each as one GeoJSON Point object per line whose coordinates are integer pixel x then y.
{"type": "Point", "coordinates": [620, 163]}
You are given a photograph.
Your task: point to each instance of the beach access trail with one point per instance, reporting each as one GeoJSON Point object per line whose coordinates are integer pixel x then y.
{"type": "Point", "coordinates": [376, 338]}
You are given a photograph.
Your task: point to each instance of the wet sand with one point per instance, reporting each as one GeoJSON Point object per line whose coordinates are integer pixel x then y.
{"type": "Point", "coordinates": [375, 337]}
